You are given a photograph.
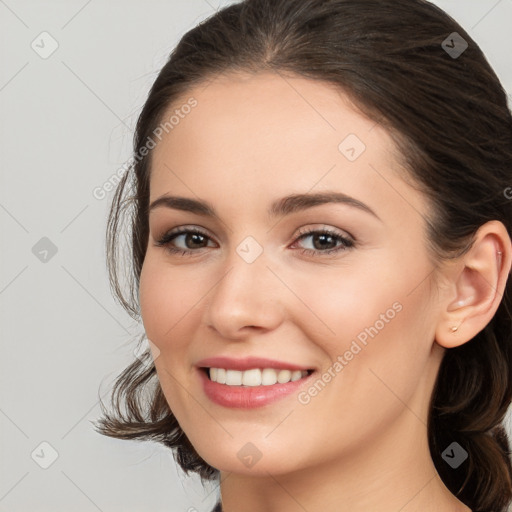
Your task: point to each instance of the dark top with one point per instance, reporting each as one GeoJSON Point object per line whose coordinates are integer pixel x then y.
{"type": "Point", "coordinates": [218, 507]}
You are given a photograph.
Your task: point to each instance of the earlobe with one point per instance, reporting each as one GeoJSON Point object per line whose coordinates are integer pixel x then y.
{"type": "Point", "coordinates": [476, 286]}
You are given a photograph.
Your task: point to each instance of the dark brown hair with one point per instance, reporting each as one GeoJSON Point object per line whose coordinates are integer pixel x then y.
{"type": "Point", "coordinates": [449, 117]}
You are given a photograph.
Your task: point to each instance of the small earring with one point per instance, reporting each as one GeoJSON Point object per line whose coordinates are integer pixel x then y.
{"type": "Point", "coordinates": [456, 327]}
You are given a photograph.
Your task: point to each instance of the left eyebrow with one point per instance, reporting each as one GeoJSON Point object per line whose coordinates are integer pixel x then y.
{"type": "Point", "coordinates": [279, 208]}
{"type": "Point", "coordinates": [298, 202]}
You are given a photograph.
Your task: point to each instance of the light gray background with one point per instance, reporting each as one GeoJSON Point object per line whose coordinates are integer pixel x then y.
{"type": "Point", "coordinates": [66, 127]}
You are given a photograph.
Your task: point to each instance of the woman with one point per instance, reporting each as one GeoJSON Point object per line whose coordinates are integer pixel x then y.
{"type": "Point", "coordinates": [320, 217]}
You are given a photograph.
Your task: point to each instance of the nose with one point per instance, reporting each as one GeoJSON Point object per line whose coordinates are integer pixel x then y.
{"type": "Point", "coordinates": [248, 298]}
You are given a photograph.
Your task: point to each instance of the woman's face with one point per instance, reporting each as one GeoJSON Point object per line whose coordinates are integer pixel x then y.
{"type": "Point", "coordinates": [363, 317]}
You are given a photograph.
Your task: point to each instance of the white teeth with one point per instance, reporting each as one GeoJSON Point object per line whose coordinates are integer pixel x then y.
{"type": "Point", "coordinates": [298, 375]}
{"type": "Point", "coordinates": [233, 378]}
{"type": "Point", "coordinates": [255, 376]}
{"type": "Point", "coordinates": [268, 377]}
{"type": "Point", "coordinates": [251, 377]}
{"type": "Point", "coordinates": [284, 376]}
{"type": "Point", "coordinates": [221, 375]}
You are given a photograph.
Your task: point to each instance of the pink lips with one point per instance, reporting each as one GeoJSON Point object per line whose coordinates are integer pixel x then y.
{"type": "Point", "coordinates": [247, 397]}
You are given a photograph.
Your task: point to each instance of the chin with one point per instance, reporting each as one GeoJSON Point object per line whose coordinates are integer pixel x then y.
{"type": "Point", "coordinates": [248, 461]}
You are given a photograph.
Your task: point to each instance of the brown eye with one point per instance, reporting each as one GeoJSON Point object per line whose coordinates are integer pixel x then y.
{"type": "Point", "coordinates": [192, 238]}
{"type": "Point", "coordinates": [323, 241]}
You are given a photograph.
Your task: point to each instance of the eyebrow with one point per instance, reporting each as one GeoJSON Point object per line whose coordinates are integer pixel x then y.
{"type": "Point", "coordinates": [279, 208]}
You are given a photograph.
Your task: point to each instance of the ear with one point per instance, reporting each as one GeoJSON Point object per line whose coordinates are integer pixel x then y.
{"type": "Point", "coordinates": [475, 285]}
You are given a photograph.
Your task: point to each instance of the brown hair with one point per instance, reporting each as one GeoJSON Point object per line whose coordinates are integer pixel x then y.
{"type": "Point", "coordinates": [449, 117]}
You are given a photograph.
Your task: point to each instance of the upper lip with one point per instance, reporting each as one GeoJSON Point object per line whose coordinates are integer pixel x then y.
{"type": "Point", "coordinates": [248, 363]}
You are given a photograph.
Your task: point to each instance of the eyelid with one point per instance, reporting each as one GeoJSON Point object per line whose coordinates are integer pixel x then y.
{"type": "Point", "coordinates": [326, 227]}
{"type": "Point", "coordinates": [310, 228]}
{"type": "Point", "coordinates": [183, 229]}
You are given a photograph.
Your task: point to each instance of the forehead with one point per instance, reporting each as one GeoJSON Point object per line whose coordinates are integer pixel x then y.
{"type": "Point", "coordinates": [267, 135]}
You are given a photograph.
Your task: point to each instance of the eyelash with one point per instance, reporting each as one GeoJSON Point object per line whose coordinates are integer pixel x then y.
{"type": "Point", "coordinates": [346, 243]}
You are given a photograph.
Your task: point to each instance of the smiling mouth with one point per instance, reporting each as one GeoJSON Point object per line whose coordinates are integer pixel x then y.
{"type": "Point", "coordinates": [254, 377]}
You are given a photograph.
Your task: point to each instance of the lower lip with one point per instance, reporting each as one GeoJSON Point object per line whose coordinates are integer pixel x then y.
{"type": "Point", "coordinates": [248, 397]}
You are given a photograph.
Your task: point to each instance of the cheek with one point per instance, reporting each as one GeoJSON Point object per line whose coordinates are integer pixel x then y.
{"type": "Point", "coordinates": [164, 301]}
{"type": "Point", "coordinates": [376, 356]}
{"type": "Point", "coordinates": [172, 302]}
{"type": "Point", "coordinates": [340, 303]}
{"type": "Point", "coordinates": [150, 296]}
{"type": "Point", "coordinates": [380, 318]}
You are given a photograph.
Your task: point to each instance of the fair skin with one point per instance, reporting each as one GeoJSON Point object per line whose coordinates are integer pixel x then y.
{"type": "Point", "coordinates": [361, 443]}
